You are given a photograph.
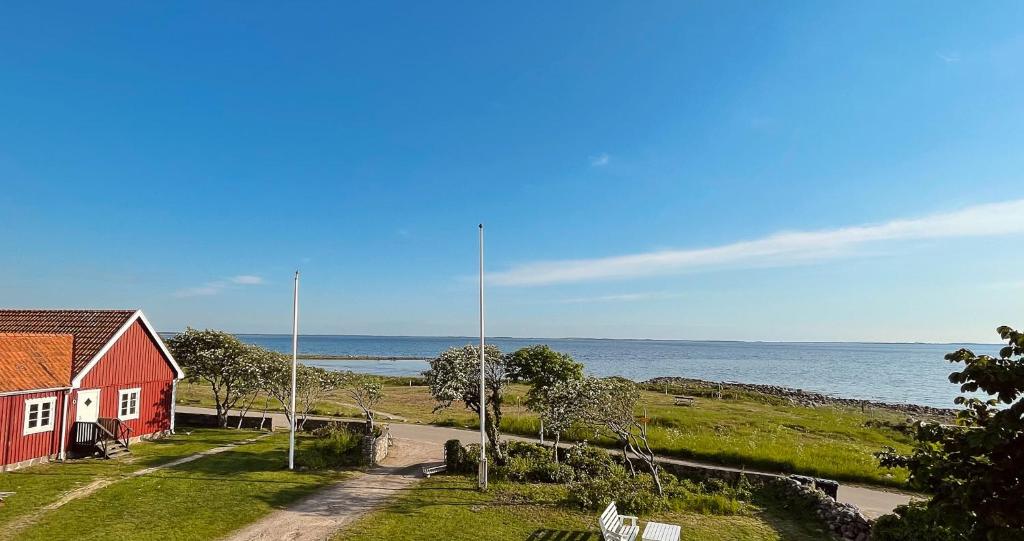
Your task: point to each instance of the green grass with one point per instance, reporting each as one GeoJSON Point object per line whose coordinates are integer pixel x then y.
{"type": "Point", "coordinates": [40, 485]}
{"type": "Point", "coordinates": [203, 499]}
{"type": "Point", "coordinates": [450, 508]}
{"type": "Point", "coordinates": [743, 429]}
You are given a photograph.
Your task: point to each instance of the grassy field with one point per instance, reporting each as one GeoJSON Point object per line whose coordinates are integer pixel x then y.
{"type": "Point", "coordinates": [450, 508]}
{"type": "Point", "coordinates": [741, 429]}
{"type": "Point", "coordinates": [198, 500]}
{"type": "Point", "coordinates": [38, 486]}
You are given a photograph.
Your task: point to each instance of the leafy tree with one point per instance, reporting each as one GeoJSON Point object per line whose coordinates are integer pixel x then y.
{"type": "Point", "coordinates": [311, 385]}
{"type": "Point", "coordinates": [562, 405]}
{"type": "Point", "coordinates": [541, 367]}
{"type": "Point", "coordinates": [257, 371]}
{"type": "Point", "coordinates": [975, 468]}
{"type": "Point", "coordinates": [455, 376]}
{"type": "Point", "coordinates": [365, 390]}
{"type": "Point", "coordinates": [553, 378]}
{"type": "Point", "coordinates": [217, 358]}
{"type": "Point", "coordinates": [611, 405]}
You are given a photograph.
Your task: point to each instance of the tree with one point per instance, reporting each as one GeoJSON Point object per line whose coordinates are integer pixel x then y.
{"type": "Point", "coordinates": [256, 373]}
{"type": "Point", "coordinates": [973, 469]}
{"type": "Point", "coordinates": [611, 405]}
{"type": "Point", "coordinates": [365, 390]}
{"type": "Point", "coordinates": [550, 375]}
{"type": "Point", "coordinates": [455, 375]}
{"type": "Point", "coordinates": [562, 405]}
{"type": "Point", "coordinates": [217, 358]}
{"type": "Point", "coordinates": [311, 385]}
{"type": "Point", "coordinates": [541, 367]}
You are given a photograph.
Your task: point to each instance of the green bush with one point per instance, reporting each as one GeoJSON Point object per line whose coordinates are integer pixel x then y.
{"type": "Point", "coordinates": [914, 522]}
{"type": "Point", "coordinates": [631, 493]}
{"type": "Point", "coordinates": [587, 462]}
{"type": "Point", "coordinates": [333, 447]}
{"type": "Point", "coordinates": [454, 456]}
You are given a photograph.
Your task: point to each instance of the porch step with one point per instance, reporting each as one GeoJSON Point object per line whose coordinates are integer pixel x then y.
{"type": "Point", "coordinates": [115, 450]}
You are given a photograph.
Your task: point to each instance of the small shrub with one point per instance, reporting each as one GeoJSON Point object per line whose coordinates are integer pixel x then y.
{"type": "Point", "coordinates": [588, 462]}
{"type": "Point", "coordinates": [333, 447]}
{"type": "Point", "coordinates": [454, 456]}
{"type": "Point", "coordinates": [913, 522]}
{"type": "Point", "coordinates": [631, 494]}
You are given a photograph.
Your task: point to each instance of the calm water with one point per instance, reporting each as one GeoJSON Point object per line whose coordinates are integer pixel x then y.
{"type": "Point", "coordinates": [908, 373]}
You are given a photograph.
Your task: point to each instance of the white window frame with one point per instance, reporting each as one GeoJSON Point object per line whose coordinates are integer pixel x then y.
{"type": "Point", "coordinates": [40, 427]}
{"type": "Point", "coordinates": [121, 394]}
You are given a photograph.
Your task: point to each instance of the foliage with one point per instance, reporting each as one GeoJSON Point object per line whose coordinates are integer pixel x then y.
{"type": "Point", "coordinates": [563, 404]}
{"type": "Point", "coordinates": [611, 404]}
{"type": "Point", "coordinates": [632, 493]}
{"type": "Point", "coordinates": [588, 461]}
{"type": "Point", "coordinates": [530, 462]}
{"type": "Point", "coordinates": [218, 358]}
{"type": "Point", "coordinates": [973, 468]}
{"type": "Point", "coordinates": [333, 447]}
{"type": "Point", "coordinates": [914, 522]}
{"type": "Point", "coordinates": [312, 384]}
{"type": "Point", "coordinates": [454, 455]}
{"type": "Point", "coordinates": [365, 390]}
{"type": "Point", "coordinates": [455, 376]}
{"type": "Point", "coordinates": [542, 368]}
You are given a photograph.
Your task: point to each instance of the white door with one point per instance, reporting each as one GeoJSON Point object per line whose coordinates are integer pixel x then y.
{"type": "Point", "coordinates": [88, 410]}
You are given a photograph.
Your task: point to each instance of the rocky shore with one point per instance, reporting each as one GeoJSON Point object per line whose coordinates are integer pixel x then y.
{"type": "Point", "coordinates": [801, 397]}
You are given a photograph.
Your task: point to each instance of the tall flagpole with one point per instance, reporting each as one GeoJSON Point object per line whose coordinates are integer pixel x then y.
{"type": "Point", "coordinates": [295, 360]}
{"type": "Point", "coordinates": [483, 396]}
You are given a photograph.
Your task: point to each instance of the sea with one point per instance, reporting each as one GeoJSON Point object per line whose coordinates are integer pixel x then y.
{"type": "Point", "coordinates": [897, 373]}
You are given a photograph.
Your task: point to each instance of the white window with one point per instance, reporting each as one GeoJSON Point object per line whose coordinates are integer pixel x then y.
{"type": "Point", "coordinates": [128, 404]}
{"type": "Point", "coordinates": [39, 415]}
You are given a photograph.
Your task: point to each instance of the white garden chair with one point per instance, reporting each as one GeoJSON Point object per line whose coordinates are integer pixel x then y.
{"type": "Point", "coordinates": [614, 527]}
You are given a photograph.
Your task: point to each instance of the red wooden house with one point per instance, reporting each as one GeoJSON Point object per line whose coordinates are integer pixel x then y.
{"type": "Point", "coordinates": [81, 382]}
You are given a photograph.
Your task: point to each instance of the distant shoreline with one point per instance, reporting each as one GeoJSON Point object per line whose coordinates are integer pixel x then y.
{"type": "Point", "coordinates": [328, 357]}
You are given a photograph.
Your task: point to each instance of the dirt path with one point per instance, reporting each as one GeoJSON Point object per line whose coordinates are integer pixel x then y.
{"type": "Point", "coordinates": [319, 516]}
{"type": "Point", "coordinates": [85, 490]}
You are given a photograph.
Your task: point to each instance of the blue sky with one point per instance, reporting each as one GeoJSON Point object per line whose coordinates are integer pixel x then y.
{"type": "Point", "coordinates": [718, 170]}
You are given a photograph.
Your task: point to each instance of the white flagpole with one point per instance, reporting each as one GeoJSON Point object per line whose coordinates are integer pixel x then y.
{"type": "Point", "coordinates": [295, 357]}
{"type": "Point", "coordinates": [483, 396]}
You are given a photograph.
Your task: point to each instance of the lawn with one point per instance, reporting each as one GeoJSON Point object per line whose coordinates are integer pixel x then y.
{"type": "Point", "coordinates": [40, 485]}
{"type": "Point", "coordinates": [745, 429]}
{"type": "Point", "coordinates": [449, 507]}
{"type": "Point", "coordinates": [203, 499]}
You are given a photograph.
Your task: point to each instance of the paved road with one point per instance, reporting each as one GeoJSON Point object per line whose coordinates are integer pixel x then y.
{"type": "Point", "coordinates": [873, 502]}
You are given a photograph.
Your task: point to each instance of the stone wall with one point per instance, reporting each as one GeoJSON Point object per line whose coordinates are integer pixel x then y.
{"type": "Point", "coordinates": [803, 398]}
{"type": "Point", "coordinates": [843, 519]}
{"type": "Point", "coordinates": [375, 448]}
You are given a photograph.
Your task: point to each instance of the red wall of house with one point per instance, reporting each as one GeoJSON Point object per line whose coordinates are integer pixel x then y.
{"type": "Point", "coordinates": [14, 445]}
{"type": "Point", "coordinates": [134, 361]}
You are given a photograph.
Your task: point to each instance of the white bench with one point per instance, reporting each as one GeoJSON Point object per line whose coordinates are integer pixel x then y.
{"type": "Point", "coordinates": [614, 527]}
{"type": "Point", "coordinates": [431, 470]}
{"type": "Point", "coordinates": [656, 531]}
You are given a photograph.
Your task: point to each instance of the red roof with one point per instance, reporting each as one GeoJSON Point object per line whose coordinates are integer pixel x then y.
{"type": "Point", "coordinates": [34, 361]}
{"type": "Point", "coordinates": [92, 329]}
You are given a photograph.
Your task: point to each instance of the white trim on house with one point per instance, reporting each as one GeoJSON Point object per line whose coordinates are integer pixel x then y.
{"type": "Point", "coordinates": [76, 382]}
{"type": "Point", "coordinates": [50, 418]}
{"type": "Point", "coordinates": [128, 409]}
{"type": "Point", "coordinates": [34, 391]}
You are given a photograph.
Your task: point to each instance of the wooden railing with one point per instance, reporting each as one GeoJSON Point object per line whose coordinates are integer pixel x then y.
{"type": "Point", "coordinates": [113, 430]}
{"type": "Point", "coordinates": [101, 434]}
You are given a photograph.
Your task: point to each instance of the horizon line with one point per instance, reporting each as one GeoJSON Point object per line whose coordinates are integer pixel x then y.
{"type": "Point", "coordinates": [724, 341]}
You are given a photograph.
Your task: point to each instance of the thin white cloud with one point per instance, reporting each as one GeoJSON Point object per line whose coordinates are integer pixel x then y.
{"type": "Point", "coordinates": [949, 58]}
{"type": "Point", "coordinates": [600, 160]}
{"type": "Point", "coordinates": [217, 286]}
{"type": "Point", "coordinates": [623, 297]}
{"type": "Point", "coordinates": [785, 248]}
